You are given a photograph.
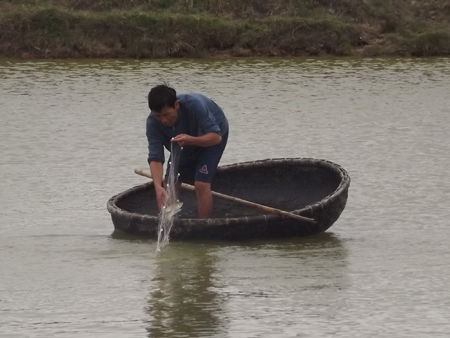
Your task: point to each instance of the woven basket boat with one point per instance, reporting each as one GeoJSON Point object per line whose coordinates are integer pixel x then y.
{"type": "Point", "coordinates": [312, 188]}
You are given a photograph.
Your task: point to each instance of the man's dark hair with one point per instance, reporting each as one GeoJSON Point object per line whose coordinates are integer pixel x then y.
{"type": "Point", "coordinates": [161, 96]}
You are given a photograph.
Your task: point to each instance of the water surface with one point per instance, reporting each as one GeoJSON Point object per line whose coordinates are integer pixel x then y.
{"type": "Point", "coordinates": [73, 131]}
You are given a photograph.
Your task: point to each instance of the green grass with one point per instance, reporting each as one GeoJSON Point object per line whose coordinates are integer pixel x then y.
{"type": "Point", "coordinates": [170, 28]}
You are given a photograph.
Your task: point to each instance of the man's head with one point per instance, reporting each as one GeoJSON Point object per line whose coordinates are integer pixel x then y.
{"type": "Point", "coordinates": [162, 100]}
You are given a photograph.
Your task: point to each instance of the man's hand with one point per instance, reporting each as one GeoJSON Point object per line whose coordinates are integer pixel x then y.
{"type": "Point", "coordinates": [207, 140]}
{"type": "Point", "coordinates": [184, 140]}
{"type": "Point", "coordinates": [161, 196]}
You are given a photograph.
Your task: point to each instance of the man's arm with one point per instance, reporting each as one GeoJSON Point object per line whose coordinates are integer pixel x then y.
{"type": "Point", "coordinates": [156, 169]}
{"type": "Point", "coordinates": [207, 140]}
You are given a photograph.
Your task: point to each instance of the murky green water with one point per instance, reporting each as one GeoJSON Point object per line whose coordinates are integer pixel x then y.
{"type": "Point", "coordinates": [72, 132]}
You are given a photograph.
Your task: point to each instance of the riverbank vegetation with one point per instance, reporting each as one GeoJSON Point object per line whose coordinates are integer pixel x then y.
{"type": "Point", "coordinates": [201, 28]}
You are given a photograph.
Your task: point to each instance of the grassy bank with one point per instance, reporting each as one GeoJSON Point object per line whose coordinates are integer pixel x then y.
{"type": "Point", "coordinates": [198, 28]}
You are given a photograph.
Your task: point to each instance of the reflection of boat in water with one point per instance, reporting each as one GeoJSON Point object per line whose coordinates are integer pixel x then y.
{"type": "Point", "coordinates": [199, 289]}
{"type": "Point", "coordinates": [312, 188]}
{"type": "Point", "coordinates": [312, 262]}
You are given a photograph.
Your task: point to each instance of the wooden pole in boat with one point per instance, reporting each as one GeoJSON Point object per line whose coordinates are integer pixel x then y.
{"type": "Point", "coordinates": [147, 173]}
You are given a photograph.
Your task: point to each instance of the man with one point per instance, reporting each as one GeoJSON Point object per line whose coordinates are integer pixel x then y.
{"type": "Point", "coordinates": [198, 125]}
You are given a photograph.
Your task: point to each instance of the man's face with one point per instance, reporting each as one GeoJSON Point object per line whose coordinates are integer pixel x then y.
{"type": "Point", "coordinates": [168, 115]}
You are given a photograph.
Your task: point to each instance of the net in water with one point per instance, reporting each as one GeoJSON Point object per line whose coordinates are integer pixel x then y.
{"type": "Point", "coordinates": [172, 205]}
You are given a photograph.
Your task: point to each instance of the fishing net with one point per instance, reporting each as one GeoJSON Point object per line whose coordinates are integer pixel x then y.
{"type": "Point", "coordinates": [171, 205]}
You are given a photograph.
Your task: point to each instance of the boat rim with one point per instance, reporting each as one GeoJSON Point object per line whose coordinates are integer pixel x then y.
{"type": "Point", "coordinates": [343, 185]}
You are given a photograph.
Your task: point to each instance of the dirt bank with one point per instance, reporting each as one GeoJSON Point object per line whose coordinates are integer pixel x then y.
{"type": "Point", "coordinates": [202, 28]}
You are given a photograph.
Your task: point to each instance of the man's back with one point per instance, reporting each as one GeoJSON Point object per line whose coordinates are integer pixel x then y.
{"type": "Point", "coordinates": [194, 104]}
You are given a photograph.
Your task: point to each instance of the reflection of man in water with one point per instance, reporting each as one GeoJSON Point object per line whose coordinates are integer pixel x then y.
{"type": "Point", "coordinates": [182, 301]}
{"type": "Point", "coordinates": [259, 283]}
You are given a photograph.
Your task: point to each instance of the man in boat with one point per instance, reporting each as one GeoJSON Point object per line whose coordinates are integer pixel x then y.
{"type": "Point", "coordinates": [200, 127]}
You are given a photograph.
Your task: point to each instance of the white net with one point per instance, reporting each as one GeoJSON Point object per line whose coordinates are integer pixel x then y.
{"type": "Point", "coordinates": [172, 205]}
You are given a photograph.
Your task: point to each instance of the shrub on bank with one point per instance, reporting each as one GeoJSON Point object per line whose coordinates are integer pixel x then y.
{"type": "Point", "coordinates": [185, 28]}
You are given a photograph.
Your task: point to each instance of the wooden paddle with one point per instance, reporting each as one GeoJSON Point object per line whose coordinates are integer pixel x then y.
{"type": "Point", "coordinates": [147, 173]}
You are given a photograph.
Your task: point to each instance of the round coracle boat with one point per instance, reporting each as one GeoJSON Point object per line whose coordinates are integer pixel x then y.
{"type": "Point", "coordinates": [301, 196]}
